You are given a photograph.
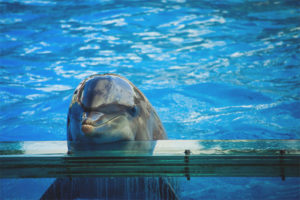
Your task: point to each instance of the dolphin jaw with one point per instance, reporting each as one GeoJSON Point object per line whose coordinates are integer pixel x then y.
{"type": "Point", "coordinates": [87, 129]}
{"type": "Point", "coordinates": [94, 128]}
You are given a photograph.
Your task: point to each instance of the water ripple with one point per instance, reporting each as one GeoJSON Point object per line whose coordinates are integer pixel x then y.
{"type": "Point", "coordinates": [212, 70]}
{"type": "Point", "coordinates": [158, 45]}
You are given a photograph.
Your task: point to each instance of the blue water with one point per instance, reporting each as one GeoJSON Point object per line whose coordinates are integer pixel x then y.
{"type": "Point", "coordinates": [212, 70]}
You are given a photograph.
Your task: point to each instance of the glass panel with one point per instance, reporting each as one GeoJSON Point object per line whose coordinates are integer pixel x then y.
{"type": "Point", "coordinates": [154, 148]}
{"type": "Point", "coordinates": [152, 158]}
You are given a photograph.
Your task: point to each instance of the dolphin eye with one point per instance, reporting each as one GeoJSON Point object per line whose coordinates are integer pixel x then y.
{"type": "Point", "coordinates": [133, 111]}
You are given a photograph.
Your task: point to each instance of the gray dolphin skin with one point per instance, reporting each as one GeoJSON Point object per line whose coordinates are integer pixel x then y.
{"type": "Point", "coordinates": [109, 108]}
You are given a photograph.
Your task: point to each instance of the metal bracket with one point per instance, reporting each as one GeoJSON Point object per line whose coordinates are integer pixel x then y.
{"type": "Point", "coordinates": [282, 174]}
{"type": "Point", "coordinates": [187, 153]}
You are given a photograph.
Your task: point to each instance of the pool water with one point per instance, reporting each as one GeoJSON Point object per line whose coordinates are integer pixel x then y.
{"type": "Point", "coordinates": [212, 70]}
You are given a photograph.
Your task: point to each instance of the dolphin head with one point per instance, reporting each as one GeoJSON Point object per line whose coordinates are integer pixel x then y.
{"type": "Point", "coordinates": [108, 109]}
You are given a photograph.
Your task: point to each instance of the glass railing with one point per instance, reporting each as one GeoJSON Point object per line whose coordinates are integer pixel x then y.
{"type": "Point", "coordinates": [256, 158]}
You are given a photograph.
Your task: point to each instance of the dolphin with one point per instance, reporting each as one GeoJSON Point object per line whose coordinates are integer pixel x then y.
{"type": "Point", "coordinates": [106, 109]}
{"type": "Point", "coordinates": [109, 108]}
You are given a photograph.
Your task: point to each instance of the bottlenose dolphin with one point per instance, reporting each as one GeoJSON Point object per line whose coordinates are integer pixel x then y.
{"type": "Point", "coordinates": [108, 109]}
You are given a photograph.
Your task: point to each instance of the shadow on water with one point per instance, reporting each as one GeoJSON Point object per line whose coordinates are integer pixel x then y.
{"type": "Point", "coordinates": [112, 188]}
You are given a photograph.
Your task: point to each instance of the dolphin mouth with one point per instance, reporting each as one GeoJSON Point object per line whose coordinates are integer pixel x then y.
{"type": "Point", "coordinates": [89, 127]}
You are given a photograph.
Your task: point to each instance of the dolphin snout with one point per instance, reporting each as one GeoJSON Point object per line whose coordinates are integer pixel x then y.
{"type": "Point", "coordinates": [89, 121]}
{"type": "Point", "coordinates": [87, 129]}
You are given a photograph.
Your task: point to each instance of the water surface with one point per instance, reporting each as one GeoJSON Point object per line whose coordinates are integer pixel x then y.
{"type": "Point", "coordinates": [212, 70]}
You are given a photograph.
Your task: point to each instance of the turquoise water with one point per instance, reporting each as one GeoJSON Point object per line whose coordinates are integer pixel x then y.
{"type": "Point", "coordinates": [212, 70]}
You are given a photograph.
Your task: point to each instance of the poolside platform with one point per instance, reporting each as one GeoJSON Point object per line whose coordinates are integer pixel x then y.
{"type": "Point", "coordinates": [189, 158]}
